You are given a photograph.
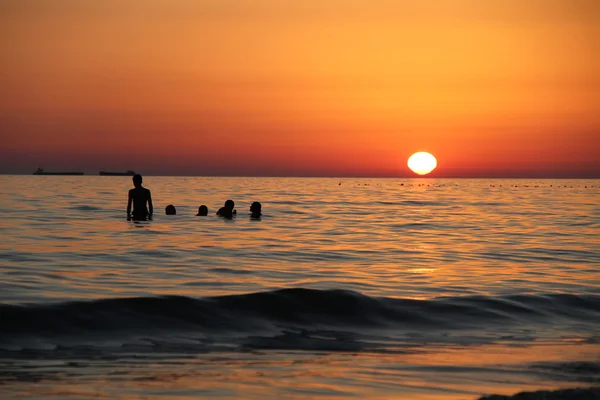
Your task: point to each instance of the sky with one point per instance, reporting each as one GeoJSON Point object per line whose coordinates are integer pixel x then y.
{"type": "Point", "coordinates": [301, 87]}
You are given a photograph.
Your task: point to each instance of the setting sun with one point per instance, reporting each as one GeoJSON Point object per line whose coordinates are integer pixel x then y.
{"type": "Point", "coordinates": [422, 163]}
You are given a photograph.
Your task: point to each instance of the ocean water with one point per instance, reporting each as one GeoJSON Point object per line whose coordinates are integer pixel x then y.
{"type": "Point", "coordinates": [346, 288]}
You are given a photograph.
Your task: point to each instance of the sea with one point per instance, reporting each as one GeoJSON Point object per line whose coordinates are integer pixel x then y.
{"type": "Point", "coordinates": [346, 288]}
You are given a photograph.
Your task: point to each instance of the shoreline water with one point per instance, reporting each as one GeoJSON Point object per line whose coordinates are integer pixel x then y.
{"type": "Point", "coordinates": [440, 375]}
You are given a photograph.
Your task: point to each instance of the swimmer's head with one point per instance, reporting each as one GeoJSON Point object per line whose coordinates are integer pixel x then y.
{"type": "Point", "coordinates": [137, 180]}
{"type": "Point", "coordinates": [229, 204]}
{"type": "Point", "coordinates": [255, 207]}
{"type": "Point", "coordinates": [225, 213]}
{"type": "Point", "coordinates": [170, 210]}
{"type": "Point", "coordinates": [202, 211]}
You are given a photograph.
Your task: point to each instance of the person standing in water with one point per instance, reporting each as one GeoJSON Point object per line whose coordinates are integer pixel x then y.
{"type": "Point", "coordinates": [139, 196]}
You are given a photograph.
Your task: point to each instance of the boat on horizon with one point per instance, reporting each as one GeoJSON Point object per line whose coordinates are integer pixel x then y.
{"type": "Point", "coordinates": [126, 173]}
{"type": "Point", "coordinates": [40, 171]}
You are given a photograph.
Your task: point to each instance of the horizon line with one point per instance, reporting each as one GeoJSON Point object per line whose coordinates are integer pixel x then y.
{"type": "Point", "coordinates": [325, 176]}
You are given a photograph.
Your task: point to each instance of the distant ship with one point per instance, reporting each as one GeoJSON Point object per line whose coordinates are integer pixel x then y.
{"type": "Point", "coordinates": [126, 173]}
{"type": "Point", "coordinates": [40, 171]}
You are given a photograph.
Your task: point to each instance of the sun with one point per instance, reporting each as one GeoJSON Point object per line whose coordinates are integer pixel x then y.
{"type": "Point", "coordinates": [422, 163]}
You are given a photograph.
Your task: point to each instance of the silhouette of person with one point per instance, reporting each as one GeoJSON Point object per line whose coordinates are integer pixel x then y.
{"type": "Point", "coordinates": [202, 211]}
{"type": "Point", "coordinates": [138, 197]}
{"type": "Point", "coordinates": [255, 210]}
{"type": "Point", "coordinates": [227, 211]}
{"type": "Point", "coordinates": [170, 210]}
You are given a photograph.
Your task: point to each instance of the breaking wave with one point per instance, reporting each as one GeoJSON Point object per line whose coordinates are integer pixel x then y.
{"type": "Point", "coordinates": [302, 319]}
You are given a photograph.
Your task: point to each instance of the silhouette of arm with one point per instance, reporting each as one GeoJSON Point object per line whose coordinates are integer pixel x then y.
{"type": "Point", "coordinates": [150, 207]}
{"type": "Point", "coordinates": [129, 201]}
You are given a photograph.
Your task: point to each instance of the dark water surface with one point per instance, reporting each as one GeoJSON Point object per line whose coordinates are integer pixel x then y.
{"type": "Point", "coordinates": [372, 288]}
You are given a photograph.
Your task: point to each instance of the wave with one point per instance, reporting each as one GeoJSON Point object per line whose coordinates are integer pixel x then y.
{"type": "Point", "coordinates": [288, 318]}
{"type": "Point", "coordinates": [86, 208]}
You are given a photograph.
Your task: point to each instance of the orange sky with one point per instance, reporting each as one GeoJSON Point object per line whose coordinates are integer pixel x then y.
{"type": "Point", "coordinates": [301, 87]}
